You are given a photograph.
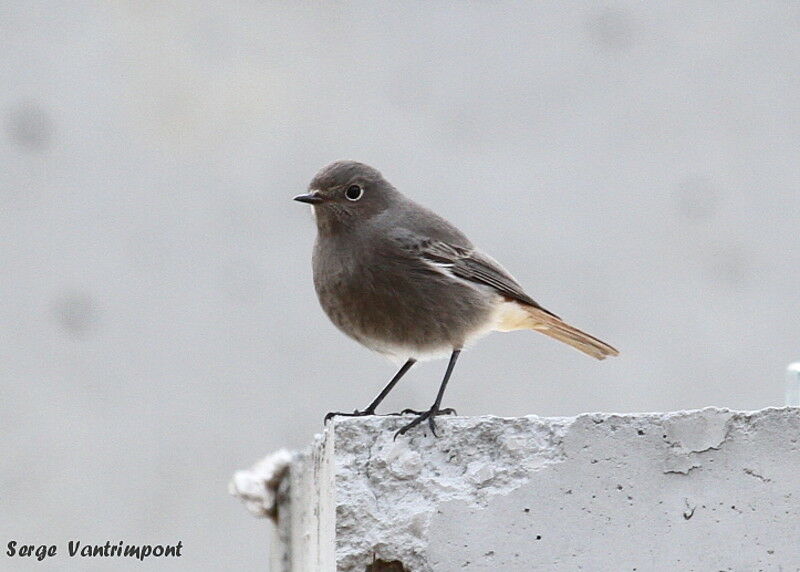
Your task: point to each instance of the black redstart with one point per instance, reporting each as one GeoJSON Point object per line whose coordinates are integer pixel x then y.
{"type": "Point", "coordinates": [404, 282]}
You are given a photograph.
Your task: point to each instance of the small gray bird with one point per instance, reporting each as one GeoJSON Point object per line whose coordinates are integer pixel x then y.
{"type": "Point", "coordinates": [404, 282]}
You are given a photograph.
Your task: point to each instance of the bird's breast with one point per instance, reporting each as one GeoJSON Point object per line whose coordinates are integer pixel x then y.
{"type": "Point", "coordinates": [397, 306]}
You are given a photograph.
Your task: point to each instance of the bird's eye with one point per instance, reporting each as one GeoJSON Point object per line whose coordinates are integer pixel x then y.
{"type": "Point", "coordinates": [354, 192]}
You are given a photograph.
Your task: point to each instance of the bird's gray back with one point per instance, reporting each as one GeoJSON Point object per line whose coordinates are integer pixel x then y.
{"type": "Point", "coordinates": [408, 218]}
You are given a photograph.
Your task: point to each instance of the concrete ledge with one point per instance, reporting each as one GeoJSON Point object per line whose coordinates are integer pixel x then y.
{"type": "Point", "coordinates": [699, 490]}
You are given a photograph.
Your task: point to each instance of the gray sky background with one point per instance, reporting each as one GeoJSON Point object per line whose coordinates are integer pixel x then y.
{"type": "Point", "coordinates": [634, 165]}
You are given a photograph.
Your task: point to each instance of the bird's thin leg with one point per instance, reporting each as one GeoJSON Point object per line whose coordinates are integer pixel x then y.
{"type": "Point", "coordinates": [370, 409]}
{"type": "Point", "coordinates": [434, 410]}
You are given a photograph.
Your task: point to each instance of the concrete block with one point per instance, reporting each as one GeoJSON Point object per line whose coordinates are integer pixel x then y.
{"type": "Point", "coordinates": [711, 489]}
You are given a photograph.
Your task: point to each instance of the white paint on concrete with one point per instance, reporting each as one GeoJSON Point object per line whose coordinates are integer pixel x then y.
{"type": "Point", "coordinates": [701, 490]}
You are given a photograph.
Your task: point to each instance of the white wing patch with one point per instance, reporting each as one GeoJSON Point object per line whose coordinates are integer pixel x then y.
{"type": "Point", "coordinates": [446, 269]}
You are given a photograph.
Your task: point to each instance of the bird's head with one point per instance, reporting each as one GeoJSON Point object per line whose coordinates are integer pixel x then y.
{"type": "Point", "coordinates": [346, 193]}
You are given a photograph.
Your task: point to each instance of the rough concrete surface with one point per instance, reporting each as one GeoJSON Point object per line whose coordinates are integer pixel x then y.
{"type": "Point", "coordinates": [711, 489]}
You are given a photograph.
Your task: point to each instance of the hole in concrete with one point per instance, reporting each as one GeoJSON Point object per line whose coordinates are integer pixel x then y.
{"type": "Point", "coordinates": [538, 537]}
{"type": "Point", "coordinates": [386, 566]}
{"type": "Point", "coordinates": [639, 432]}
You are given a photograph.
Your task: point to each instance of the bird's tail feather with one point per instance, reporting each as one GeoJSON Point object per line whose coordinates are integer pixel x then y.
{"type": "Point", "coordinates": [533, 318]}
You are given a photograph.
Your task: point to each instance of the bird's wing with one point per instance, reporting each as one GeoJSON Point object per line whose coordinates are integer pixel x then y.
{"type": "Point", "coordinates": [469, 264]}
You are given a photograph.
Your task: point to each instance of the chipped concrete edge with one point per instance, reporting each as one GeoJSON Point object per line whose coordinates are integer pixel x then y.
{"type": "Point", "coordinates": [375, 495]}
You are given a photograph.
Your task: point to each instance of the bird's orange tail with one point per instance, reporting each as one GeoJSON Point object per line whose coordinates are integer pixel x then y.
{"type": "Point", "coordinates": [517, 316]}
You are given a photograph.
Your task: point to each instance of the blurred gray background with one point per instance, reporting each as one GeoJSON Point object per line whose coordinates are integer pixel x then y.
{"type": "Point", "coordinates": [635, 165]}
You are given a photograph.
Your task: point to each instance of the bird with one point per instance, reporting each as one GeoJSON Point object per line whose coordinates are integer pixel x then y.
{"type": "Point", "coordinates": [406, 283]}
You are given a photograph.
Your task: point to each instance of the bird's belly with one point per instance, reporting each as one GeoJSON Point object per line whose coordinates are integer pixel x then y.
{"type": "Point", "coordinates": [407, 315]}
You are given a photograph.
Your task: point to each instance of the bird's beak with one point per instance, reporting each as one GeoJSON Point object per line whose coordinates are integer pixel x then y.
{"type": "Point", "coordinates": [312, 198]}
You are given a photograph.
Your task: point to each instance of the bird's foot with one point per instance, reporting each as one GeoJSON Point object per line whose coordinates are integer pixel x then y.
{"type": "Point", "coordinates": [407, 411]}
{"type": "Point", "coordinates": [428, 415]}
{"type": "Point", "coordinates": [355, 413]}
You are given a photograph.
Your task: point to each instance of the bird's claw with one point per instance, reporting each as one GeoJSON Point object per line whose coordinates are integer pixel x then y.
{"type": "Point", "coordinates": [428, 415]}
{"type": "Point", "coordinates": [447, 411]}
{"type": "Point", "coordinates": [408, 411]}
{"type": "Point", "coordinates": [355, 413]}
